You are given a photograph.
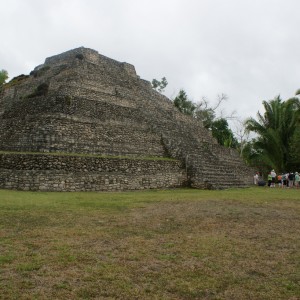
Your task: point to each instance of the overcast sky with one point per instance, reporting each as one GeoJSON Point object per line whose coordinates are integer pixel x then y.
{"type": "Point", "coordinates": [246, 49]}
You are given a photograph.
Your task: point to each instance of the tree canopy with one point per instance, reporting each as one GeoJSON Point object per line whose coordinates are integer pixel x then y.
{"type": "Point", "coordinates": [159, 85]}
{"type": "Point", "coordinates": [3, 77]}
{"type": "Point", "coordinates": [184, 105]}
{"type": "Point", "coordinates": [202, 112]}
{"type": "Point", "coordinates": [277, 130]}
{"type": "Point", "coordinates": [223, 134]}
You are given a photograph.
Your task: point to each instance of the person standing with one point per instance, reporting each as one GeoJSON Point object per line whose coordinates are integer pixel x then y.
{"type": "Point", "coordinates": [291, 179]}
{"type": "Point", "coordinates": [269, 180]}
{"type": "Point", "coordinates": [297, 180]}
{"type": "Point", "coordinates": [273, 175]}
{"type": "Point", "coordinates": [256, 179]}
{"type": "Point", "coordinates": [287, 179]}
{"type": "Point", "coordinates": [279, 178]}
{"type": "Point", "coordinates": [283, 180]}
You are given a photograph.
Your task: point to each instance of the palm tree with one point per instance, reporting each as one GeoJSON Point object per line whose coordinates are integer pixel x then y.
{"type": "Point", "coordinates": [295, 145]}
{"type": "Point", "coordinates": [275, 130]}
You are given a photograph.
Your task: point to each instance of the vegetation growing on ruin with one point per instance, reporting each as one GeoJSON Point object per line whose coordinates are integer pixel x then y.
{"type": "Point", "coordinates": [3, 77]}
{"type": "Point", "coordinates": [41, 90]}
{"type": "Point", "coordinates": [16, 81]}
{"type": "Point", "coordinates": [79, 56]}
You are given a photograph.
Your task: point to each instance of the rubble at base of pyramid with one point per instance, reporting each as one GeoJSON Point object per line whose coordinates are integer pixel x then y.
{"type": "Point", "coordinates": [85, 122]}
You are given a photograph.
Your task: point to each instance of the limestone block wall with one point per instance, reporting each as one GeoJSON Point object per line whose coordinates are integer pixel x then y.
{"type": "Point", "coordinates": [71, 135]}
{"type": "Point", "coordinates": [88, 106]}
{"type": "Point", "coordinates": [93, 57]}
{"type": "Point", "coordinates": [96, 105]}
{"type": "Point", "coordinates": [41, 172]}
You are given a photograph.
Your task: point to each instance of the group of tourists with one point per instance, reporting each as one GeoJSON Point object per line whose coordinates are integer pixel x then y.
{"type": "Point", "coordinates": [284, 180]}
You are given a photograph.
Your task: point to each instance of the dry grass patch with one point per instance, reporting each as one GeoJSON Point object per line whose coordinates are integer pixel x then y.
{"type": "Point", "coordinates": [180, 244]}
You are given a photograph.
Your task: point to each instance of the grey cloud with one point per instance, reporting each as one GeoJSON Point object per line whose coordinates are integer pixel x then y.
{"type": "Point", "coordinates": [247, 49]}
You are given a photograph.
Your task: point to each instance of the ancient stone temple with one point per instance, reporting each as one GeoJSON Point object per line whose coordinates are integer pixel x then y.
{"type": "Point", "coordinates": [85, 122]}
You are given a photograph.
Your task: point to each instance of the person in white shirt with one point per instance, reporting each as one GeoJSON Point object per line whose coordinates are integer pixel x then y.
{"type": "Point", "coordinates": [273, 174]}
{"type": "Point", "coordinates": [255, 177]}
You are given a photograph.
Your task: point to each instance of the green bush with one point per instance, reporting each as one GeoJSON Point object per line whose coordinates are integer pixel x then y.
{"type": "Point", "coordinates": [68, 100]}
{"type": "Point", "coordinates": [41, 90]}
{"type": "Point", "coordinates": [79, 56]}
{"type": "Point", "coordinates": [16, 80]}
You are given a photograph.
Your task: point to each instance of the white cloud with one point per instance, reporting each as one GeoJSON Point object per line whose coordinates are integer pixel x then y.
{"type": "Point", "coordinates": [247, 49]}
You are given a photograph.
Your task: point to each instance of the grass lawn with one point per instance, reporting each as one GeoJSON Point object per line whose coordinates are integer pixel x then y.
{"type": "Point", "coordinates": [174, 244]}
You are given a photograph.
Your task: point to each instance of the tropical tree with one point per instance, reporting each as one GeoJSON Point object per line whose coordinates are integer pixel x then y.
{"type": "Point", "coordinates": [294, 162]}
{"type": "Point", "coordinates": [275, 130]}
{"type": "Point", "coordinates": [223, 134]}
{"type": "Point", "coordinates": [241, 134]}
{"type": "Point", "coordinates": [159, 85]}
{"type": "Point", "coordinates": [3, 77]}
{"type": "Point", "coordinates": [185, 105]}
{"type": "Point", "coordinates": [295, 145]}
{"type": "Point", "coordinates": [207, 115]}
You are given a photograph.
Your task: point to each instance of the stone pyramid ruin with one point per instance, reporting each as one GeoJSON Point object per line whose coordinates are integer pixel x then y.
{"type": "Point", "coordinates": [84, 122]}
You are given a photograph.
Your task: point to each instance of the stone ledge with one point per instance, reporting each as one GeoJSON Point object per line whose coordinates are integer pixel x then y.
{"type": "Point", "coordinates": [45, 172]}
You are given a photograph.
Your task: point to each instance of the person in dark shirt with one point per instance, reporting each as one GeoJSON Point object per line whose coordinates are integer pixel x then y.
{"type": "Point", "coordinates": [291, 180]}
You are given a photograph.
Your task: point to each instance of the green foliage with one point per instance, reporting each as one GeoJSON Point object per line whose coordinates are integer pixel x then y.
{"type": "Point", "coordinates": [16, 80]}
{"type": "Point", "coordinates": [223, 133]}
{"type": "Point", "coordinates": [159, 85]}
{"type": "Point", "coordinates": [3, 77]}
{"type": "Point", "coordinates": [253, 156]}
{"type": "Point", "coordinates": [206, 115]}
{"type": "Point", "coordinates": [185, 105]}
{"type": "Point", "coordinates": [79, 56]}
{"type": "Point", "coordinates": [295, 149]}
{"type": "Point", "coordinates": [276, 130]}
{"type": "Point", "coordinates": [68, 100]}
{"type": "Point", "coordinates": [41, 90]}
{"type": "Point", "coordinates": [203, 113]}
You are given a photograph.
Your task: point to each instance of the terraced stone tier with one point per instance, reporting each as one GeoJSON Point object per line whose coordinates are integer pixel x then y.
{"type": "Point", "coordinates": [83, 102]}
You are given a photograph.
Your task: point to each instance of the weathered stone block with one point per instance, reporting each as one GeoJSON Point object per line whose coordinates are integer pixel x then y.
{"type": "Point", "coordinates": [91, 104]}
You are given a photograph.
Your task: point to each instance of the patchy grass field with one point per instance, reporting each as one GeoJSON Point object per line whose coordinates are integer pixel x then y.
{"type": "Point", "coordinates": [177, 244]}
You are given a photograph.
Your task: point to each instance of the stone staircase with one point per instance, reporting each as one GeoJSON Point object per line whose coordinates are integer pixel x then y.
{"type": "Point", "coordinates": [204, 168]}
